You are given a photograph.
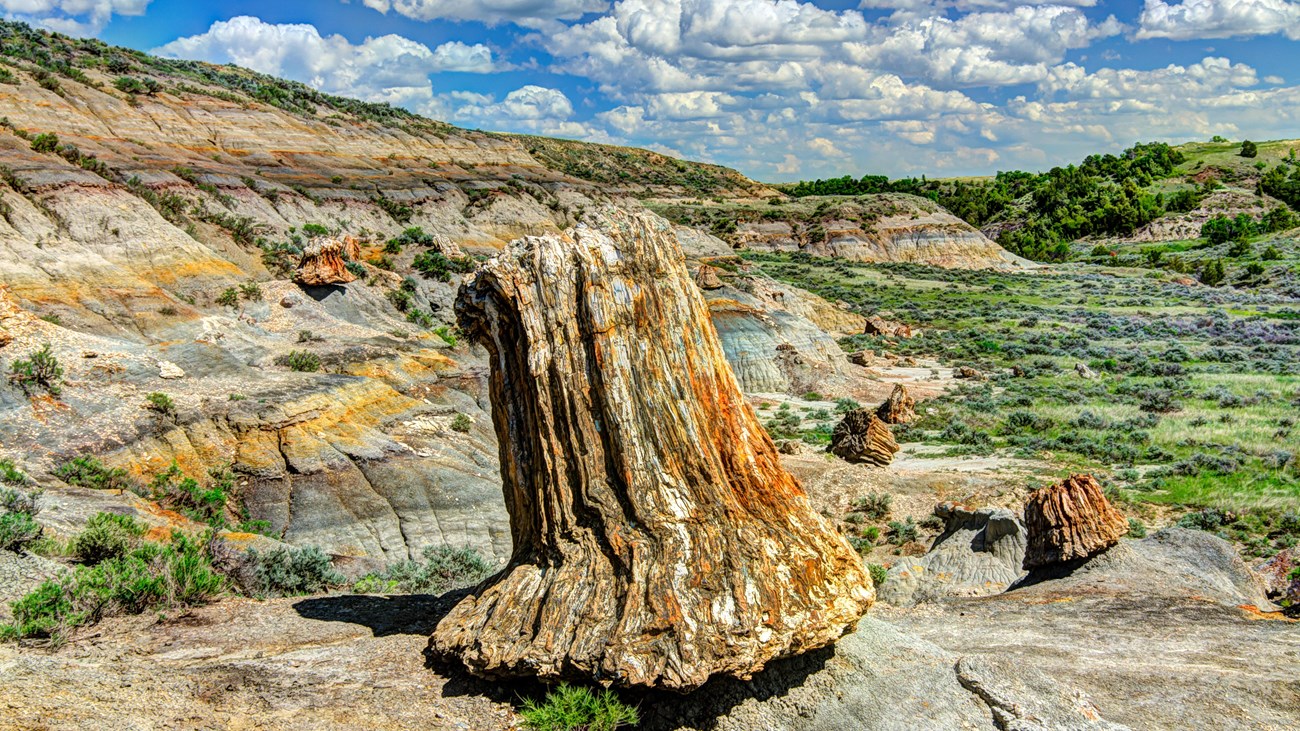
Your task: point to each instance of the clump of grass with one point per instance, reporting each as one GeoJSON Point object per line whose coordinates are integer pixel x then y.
{"type": "Point", "coordinates": [201, 503]}
{"type": "Point", "coordinates": [443, 569]}
{"type": "Point", "coordinates": [878, 573]}
{"type": "Point", "coordinates": [301, 361]}
{"type": "Point", "coordinates": [901, 532]}
{"type": "Point", "coordinates": [875, 506]}
{"type": "Point", "coordinates": [147, 577]}
{"type": "Point", "coordinates": [578, 708]}
{"type": "Point", "coordinates": [39, 370]}
{"type": "Point", "coordinates": [107, 536]}
{"type": "Point", "coordinates": [1136, 528]}
{"type": "Point", "coordinates": [293, 572]}
{"type": "Point", "coordinates": [90, 472]}
{"type": "Point", "coordinates": [160, 403]}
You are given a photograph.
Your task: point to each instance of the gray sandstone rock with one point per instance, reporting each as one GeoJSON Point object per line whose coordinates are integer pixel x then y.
{"type": "Point", "coordinates": [978, 553]}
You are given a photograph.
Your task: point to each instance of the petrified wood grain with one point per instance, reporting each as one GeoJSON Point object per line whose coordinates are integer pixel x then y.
{"type": "Point", "coordinates": [861, 436]}
{"type": "Point", "coordinates": [658, 541]}
{"type": "Point", "coordinates": [1070, 520]}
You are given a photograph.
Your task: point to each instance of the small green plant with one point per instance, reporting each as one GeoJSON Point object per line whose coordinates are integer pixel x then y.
{"type": "Point", "coordinates": [301, 361]}
{"type": "Point", "coordinates": [160, 403]}
{"type": "Point", "coordinates": [845, 405]}
{"type": "Point", "coordinates": [90, 472]}
{"type": "Point", "coordinates": [812, 396]}
{"type": "Point", "coordinates": [461, 423]}
{"type": "Point", "coordinates": [447, 334]}
{"type": "Point", "coordinates": [901, 532]}
{"type": "Point", "coordinates": [46, 143]}
{"type": "Point", "coordinates": [39, 370]}
{"type": "Point", "coordinates": [250, 291]}
{"type": "Point", "coordinates": [1136, 528]}
{"type": "Point", "coordinates": [201, 503]}
{"type": "Point", "coordinates": [107, 536]}
{"type": "Point", "coordinates": [313, 230]}
{"type": "Point", "coordinates": [229, 297]}
{"type": "Point", "coordinates": [293, 571]}
{"type": "Point", "coordinates": [17, 530]}
{"type": "Point", "coordinates": [878, 573]}
{"type": "Point", "coordinates": [444, 568]}
{"type": "Point", "coordinates": [875, 506]}
{"type": "Point", "coordinates": [307, 336]}
{"type": "Point", "coordinates": [577, 708]}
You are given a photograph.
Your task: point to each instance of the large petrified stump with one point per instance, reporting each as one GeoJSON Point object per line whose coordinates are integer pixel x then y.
{"type": "Point", "coordinates": [657, 540]}
{"type": "Point", "coordinates": [1068, 521]}
{"type": "Point", "coordinates": [861, 436]}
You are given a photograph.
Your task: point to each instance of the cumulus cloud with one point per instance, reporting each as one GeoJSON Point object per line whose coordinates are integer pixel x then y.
{"type": "Point", "coordinates": [387, 68]}
{"type": "Point", "coordinates": [527, 13]}
{"type": "Point", "coordinates": [1193, 19]}
{"type": "Point", "coordinates": [73, 17]}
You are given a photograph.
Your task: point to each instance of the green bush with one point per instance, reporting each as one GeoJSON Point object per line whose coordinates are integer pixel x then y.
{"type": "Point", "coordinates": [107, 536]}
{"type": "Point", "coordinates": [10, 474]}
{"type": "Point", "coordinates": [447, 334]}
{"type": "Point", "coordinates": [204, 504]}
{"type": "Point", "coordinates": [461, 423]}
{"type": "Point", "coordinates": [878, 573]}
{"type": "Point", "coordinates": [130, 85]}
{"type": "Point", "coordinates": [39, 370]}
{"type": "Point", "coordinates": [313, 230]}
{"type": "Point", "coordinates": [301, 361]}
{"type": "Point", "coordinates": [229, 297]}
{"type": "Point", "coordinates": [902, 532]}
{"type": "Point", "coordinates": [46, 143]}
{"type": "Point", "coordinates": [1136, 528]}
{"type": "Point", "coordinates": [875, 506]}
{"type": "Point", "coordinates": [161, 403]}
{"type": "Point", "coordinates": [90, 472]}
{"type": "Point", "coordinates": [1249, 149]}
{"type": "Point", "coordinates": [577, 708]}
{"type": "Point", "coordinates": [443, 569]}
{"type": "Point", "coordinates": [293, 571]}
{"type": "Point", "coordinates": [17, 530]}
{"type": "Point", "coordinates": [148, 577]}
{"type": "Point", "coordinates": [1212, 274]}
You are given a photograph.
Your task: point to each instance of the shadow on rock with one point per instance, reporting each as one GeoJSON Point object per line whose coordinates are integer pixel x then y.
{"type": "Point", "coordinates": [413, 614]}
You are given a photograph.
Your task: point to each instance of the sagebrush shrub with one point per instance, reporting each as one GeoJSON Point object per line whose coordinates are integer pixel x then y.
{"type": "Point", "coordinates": [577, 708]}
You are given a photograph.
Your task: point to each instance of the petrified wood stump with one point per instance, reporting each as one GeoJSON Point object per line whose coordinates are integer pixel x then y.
{"type": "Point", "coordinates": [657, 540]}
{"type": "Point", "coordinates": [1070, 520]}
{"type": "Point", "coordinates": [324, 261]}
{"type": "Point", "coordinates": [899, 408]}
{"type": "Point", "coordinates": [861, 436]}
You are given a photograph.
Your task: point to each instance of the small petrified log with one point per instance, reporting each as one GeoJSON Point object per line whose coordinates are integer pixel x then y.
{"type": "Point", "coordinates": [707, 277]}
{"type": "Point", "coordinates": [1068, 521]}
{"type": "Point", "coordinates": [323, 262]}
{"type": "Point", "coordinates": [899, 408]}
{"type": "Point", "coordinates": [965, 372]}
{"type": "Point", "coordinates": [657, 540]}
{"type": "Point", "coordinates": [877, 325]}
{"type": "Point", "coordinates": [861, 436]}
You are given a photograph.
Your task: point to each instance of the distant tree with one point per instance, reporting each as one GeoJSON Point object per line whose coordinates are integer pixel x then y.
{"type": "Point", "coordinates": [1248, 149]}
{"type": "Point", "coordinates": [1212, 275]}
{"type": "Point", "coordinates": [1218, 138]}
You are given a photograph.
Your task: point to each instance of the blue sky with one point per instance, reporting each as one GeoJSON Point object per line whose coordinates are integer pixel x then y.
{"type": "Point", "coordinates": [781, 89]}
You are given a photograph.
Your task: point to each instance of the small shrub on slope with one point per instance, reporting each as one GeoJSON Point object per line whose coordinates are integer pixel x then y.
{"type": "Point", "coordinates": [576, 708]}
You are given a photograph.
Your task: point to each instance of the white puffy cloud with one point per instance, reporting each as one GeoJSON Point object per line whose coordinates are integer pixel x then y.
{"type": "Point", "coordinates": [528, 13]}
{"type": "Point", "coordinates": [387, 68]}
{"type": "Point", "coordinates": [1194, 19]}
{"type": "Point", "coordinates": [73, 17]}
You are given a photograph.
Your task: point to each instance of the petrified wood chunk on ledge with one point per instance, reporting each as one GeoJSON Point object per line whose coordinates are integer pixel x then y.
{"type": "Point", "coordinates": [324, 262]}
{"type": "Point", "coordinates": [1070, 520]}
{"type": "Point", "coordinates": [657, 540]}
{"type": "Point", "coordinates": [861, 436]}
